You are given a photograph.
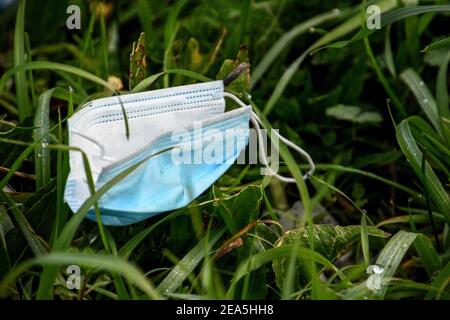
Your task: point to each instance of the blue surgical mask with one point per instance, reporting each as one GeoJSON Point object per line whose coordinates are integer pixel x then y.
{"type": "Point", "coordinates": [189, 121]}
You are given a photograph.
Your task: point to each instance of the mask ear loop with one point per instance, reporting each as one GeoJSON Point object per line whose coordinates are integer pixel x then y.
{"type": "Point", "coordinates": [99, 145]}
{"type": "Point", "coordinates": [256, 121]}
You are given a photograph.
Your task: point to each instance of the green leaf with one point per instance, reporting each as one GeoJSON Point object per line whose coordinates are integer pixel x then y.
{"type": "Point", "coordinates": [65, 95]}
{"type": "Point", "coordinates": [329, 241]}
{"type": "Point", "coordinates": [104, 41]}
{"type": "Point", "coordinates": [240, 209]}
{"type": "Point", "coordinates": [440, 282]}
{"type": "Point", "coordinates": [341, 30]}
{"type": "Point", "coordinates": [365, 239]}
{"type": "Point", "coordinates": [145, 14]}
{"type": "Point", "coordinates": [427, 254]}
{"type": "Point", "coordinates": [351, 24]}
{"type": "Point", "coordinates": [391, 256]}
{"type": "Point", "coordinates": [190, 261]}
{"type": "Point", "coordinates": [238, 82]}
{"type": "Point", "coordinates": [285, 40]}
{"type": "Point", "coordinates": [416, 218]}
{"type": "Point", "coordinates": [272, 255]}
{"type": "Point", "coordinates": [353, 114]}
{"type": "Point", "coordinates": [23, 104]}
{"type": "Point", "coordinates": [283, 82]}
{"type": "Point", "coordinates": [30, 235]}
{"type": "Point", "coordinates": [423, 96]}
{"type": "Point", "coordinates": [338, 32]}
{"type": "Point", "coordinates": [126, 250]}
{"type": "Point", "coordinates": [443, 43]}
{"type": "Point", "coordinates": [52, 66]}
{"type": "Point", "coordinates": [389, 18]}
{"type": "Point", "coordinates": [442, 92]}
{"type": "Point", "coordinates": [16, 166]}
{"type": "Point", "coordinates": [388, 56]}
{"type": "Point", "coordinates": [93, 261]}
{"type": "Point", "coordinates": [144, 84]}
{"type": "Point", "coordinates": [195, 57]}
{"type": "Point", "coordinates": [87, 36]}
{"type": "Point", "coordinates": [170, 32]}
{"type": "Point", "coordinates": [430, 181]}
{"type": "Point", "coordinates": [369, 175]}
{"type": "Point", "coordinates": [41, 136]}
{"type": "Point", "coordinates": [138, 62]}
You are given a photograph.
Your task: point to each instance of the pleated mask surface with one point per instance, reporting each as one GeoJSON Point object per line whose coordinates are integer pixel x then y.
{"type": "Point", "coordinates": [181, 136]}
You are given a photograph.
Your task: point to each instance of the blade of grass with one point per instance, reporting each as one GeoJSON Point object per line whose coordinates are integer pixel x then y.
{"type": "Point", "coordinates": [285, 40]}
{"type": "Point", "coordinates": [443, 43]}
{"type": "Point", "coordinates": [189, 262]}
{"type": "Point", "coordinates": [104, 42]}
{"type": "Point", "coordinates": [416, 218]}
{"type": "Point", "coordinates": [127, 249]}
{"type": "Point", "coordinates": [429, 179]}
{"type": "Point", "coordinates": [170, 32]}
{"type": "Point", "coordinates": [387, 87]}
{"type": "Point", "coordinates": [30, 73]}
{"type": "Point", "coordinates": [388, 56]}
{"type": "Point", "coordinates": [145, 19]}
{"type": "Point", "coordinates": [240, 34]}
{"type": "Point", "coordinates": [428, 204]}
{"type": "Point", "coordinates": [304, 194]}
{"type": "Point", "coordinates": [16, 165]}
{"type": "Point", "coordinates": [168, 57]}
{"type": "Point", "coordinates": [23, 104]}
{"type": "Point", "coordinates": [61, 175]}
{"type": "Point", "coordinates": [427, 254]}
{"type": "Point", "coordinates": [365, 239]}
{"type": "Point", "coordinates": [387, 19]}
{"type": "Point", "coordinates": [258, 260]}
{"type": "Point", "coordinates": [67, 234]}
{"type": "Point", "coordinates": [88, 260]}
{"type": "Point", "coordinates": [324, 166]}
{"type": "Point", "coordinates": [33, 240]}
{"type": "Point", "coordinates": [121, 289]}
{"type": "Point", "coordinates": [442, 94]}
{"type": "Point", "coordinates": [343, 29]}
{"type": "Point", "coordinates": [440, 282]}
{"type": "Point", "coordinates": [144, 84]}
{"type": "Point", "coordinates": [53, 66]}
{"type": "Point", "coordinates": [423, 96]}
{"type": "Point", "coordinates": [351, 24]}
{"type": "Point", "coordinates": [41, 136]}
{"type": "Point", "coordinates": [87, 37]}
{"type": "Point", "coordinates": [391, 256]}
{"type": "Point", "coordinates": [9, 107]}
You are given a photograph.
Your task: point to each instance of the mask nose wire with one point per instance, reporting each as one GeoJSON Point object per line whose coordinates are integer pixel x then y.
{"type": "Point", "coordinates": [256, 121]}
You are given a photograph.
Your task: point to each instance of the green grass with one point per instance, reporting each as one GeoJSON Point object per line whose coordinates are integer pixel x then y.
{"type": "Point", "coordinates": [380, 194]}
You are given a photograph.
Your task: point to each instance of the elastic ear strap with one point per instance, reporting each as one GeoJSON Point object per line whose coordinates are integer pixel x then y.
{"type": "Point", "coordinates": [256, 121]}
{"type": "Point", "coordinates": [291, 145]}
{"type": "Point", "coordinates": [97, 143]}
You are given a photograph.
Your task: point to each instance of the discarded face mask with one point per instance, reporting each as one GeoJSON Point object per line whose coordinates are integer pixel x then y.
{"type": "Point", "coordinates": [159, 122]}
